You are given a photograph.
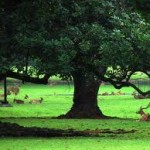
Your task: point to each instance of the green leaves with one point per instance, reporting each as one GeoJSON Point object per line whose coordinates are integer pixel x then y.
{"type": "Point", "coordinates": [62, 36]}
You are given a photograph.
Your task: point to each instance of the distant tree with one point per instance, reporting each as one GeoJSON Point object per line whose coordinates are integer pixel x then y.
{"type": "Point", "coordinates": [88, 41]}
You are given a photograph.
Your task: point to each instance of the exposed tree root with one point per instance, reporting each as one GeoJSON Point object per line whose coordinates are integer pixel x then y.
{"type": "Point", "coordinates": [84, 112]}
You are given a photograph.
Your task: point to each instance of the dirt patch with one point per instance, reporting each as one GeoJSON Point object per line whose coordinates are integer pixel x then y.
{"type": "Point", "coordinates": [15, 130]}
{"type": "Point", "coordinates": [108, 131]}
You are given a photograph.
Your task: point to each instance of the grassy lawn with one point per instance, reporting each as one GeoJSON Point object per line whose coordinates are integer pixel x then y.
{"type": "Point", "coordinates": [58, 100]}
{"type": "Point", "coordinates": [81, 143]}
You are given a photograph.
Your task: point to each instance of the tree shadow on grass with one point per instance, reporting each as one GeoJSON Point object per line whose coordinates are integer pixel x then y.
{"type": "Point", "coordinates": [15, 130]}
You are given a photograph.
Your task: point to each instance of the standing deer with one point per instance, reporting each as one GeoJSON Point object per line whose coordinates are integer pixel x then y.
{"type": "Point", "coordinates": [13, 89]}
{"type": "Point", "coordinates": [144, 116]}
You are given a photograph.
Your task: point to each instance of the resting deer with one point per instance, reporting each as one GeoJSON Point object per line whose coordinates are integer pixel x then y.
{"type": "Point", "coordinates": [18, 101]}
{"type": "Point", "coordinates": [134, 93]}
{"type": "Point", "coordinates": [139, 96]}
{"type": "Point", "coordinates": [36, 101]}
{"type": "Point", "coordinates": [148, 95]}
{"type": "Point", "coordinates": [112, 93]}
{"type": "Point", "coordinates": [120, 93]}
{"type": "Point", "coordinates": [105, 94]}
{"type": "Point", "coordinates": [144, 116]}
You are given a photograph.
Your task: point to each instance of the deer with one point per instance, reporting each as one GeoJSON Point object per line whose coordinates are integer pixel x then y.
{"type": "Point", "coordinates": [13, 89]}
{"type": "Point", "coordinates": [112, 93]}
{"type": "Point", "coordinates": [18, 101]}
{"type": "Point", "coordinates": [51, 83]}
{"type": "Point", "coordinates": [139, 96]}
{"type": "Point", "coordinates": [105, 94]}
{"type": "Point", "coordinates": [7, 93]}
{"type": "Point", "coordinates": [134, 93]}
{"type": "Point", "coordinates": [120, 93]}
{"type": "Point", "coordinates": [36, 101]}
{"type": "Point", "coordinates": [1, 95]}
{"type": "Point", "coordinates": [103, 83]}
{"type": "Point", "coordinates": [26, 97]}
{"type": "Point", "coordinates": [148, 95]}
{"type": "Point", "coordinates": [144, 116]}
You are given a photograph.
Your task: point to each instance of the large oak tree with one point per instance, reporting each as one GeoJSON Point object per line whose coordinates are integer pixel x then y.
{"type": "Point", "coordinates": [88, 41]}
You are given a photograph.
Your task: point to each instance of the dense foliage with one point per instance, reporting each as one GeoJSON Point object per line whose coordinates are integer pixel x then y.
{"type": "Point", "coordinates": [87, 40]}
{"type": "Point", "coordinates": [60, 37]}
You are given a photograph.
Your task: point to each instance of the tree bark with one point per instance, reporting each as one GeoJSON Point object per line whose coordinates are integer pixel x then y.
{"type": "Point", "coordinates": [85, 103]}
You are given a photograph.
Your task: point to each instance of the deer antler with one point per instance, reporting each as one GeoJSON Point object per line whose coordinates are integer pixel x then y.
{"type": "Point", "coordinates": [146, 106]}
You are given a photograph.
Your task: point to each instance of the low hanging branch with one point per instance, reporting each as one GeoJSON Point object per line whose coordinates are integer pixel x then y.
{"type": "Point", "coordinates": [26, 78]}
{"type": "Point", "coordinates": [118, 84]}
{"type": "Point", "coordinates": [121, 84]}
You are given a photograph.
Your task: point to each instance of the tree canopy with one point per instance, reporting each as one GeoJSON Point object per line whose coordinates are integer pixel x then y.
{"type": "Point", "coordinates": [60, 37]}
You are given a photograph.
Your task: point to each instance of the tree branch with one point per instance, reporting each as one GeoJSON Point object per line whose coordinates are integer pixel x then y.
{"type": "Point", "coordinates": [116, 84]}
{"type": "Point", "coordinates": [26, 78]}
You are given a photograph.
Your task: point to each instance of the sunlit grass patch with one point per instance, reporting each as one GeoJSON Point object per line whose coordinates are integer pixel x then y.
{"type": "Point", "coordinates": [57, 101]}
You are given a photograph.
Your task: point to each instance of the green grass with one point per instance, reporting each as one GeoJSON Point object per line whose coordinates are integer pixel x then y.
{"type": "Point", "coordinates": [58, 100]}
{"type": "Point", "coordinates": [81, 143]}
{"type": "Point", "coordinates": [138, 75]}
{"type": "Point", "coordinates": [134, 141]}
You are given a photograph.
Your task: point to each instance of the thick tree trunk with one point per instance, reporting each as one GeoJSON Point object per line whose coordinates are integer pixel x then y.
{"type": "Point", "coordinates": [85, 103]}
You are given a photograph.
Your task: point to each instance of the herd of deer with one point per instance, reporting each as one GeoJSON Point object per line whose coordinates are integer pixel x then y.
{"type": "Point", "coordinates": [144, 116]}
{"type": "Point", "coordinates": [113, 93]}
{"type": "Point", "coordinates": [136, 96]}
{"type": "Point", "coordinates": [15, 90]}
{"type": "Point", "coordinates": [33, 101]}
